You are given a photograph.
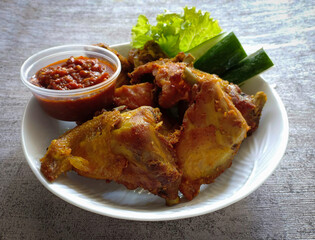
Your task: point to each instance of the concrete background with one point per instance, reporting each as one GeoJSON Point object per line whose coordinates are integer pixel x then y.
{"type": "Point", "coordinates": [282, 208]}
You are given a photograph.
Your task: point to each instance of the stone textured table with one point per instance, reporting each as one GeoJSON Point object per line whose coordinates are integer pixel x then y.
{"type": "Point", "coordinates": [282, 208]}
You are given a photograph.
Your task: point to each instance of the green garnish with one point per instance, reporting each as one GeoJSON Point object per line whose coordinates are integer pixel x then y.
{"type": "Point", "coordinates": [176, 32]}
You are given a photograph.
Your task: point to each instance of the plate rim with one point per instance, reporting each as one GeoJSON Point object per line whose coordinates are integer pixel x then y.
{"type": "Point", "coordinates": [149, 216]}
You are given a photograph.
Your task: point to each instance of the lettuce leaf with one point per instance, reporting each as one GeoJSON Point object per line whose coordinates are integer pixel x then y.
{"type": "Point", "coordinates": [176, 32]}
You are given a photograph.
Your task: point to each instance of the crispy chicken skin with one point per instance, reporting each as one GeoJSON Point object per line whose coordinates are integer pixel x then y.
{"type": "Point", "coordinates": [150, 155]}
{"type": "Point", "coordinates": [250, 106]}
{"type": "Point", "coordinates": [85, 149]}
{"type": "Point", "coordinates": [125, 147]}
{"type": "Point", "coordinates": [134, 96]}
{"type": "Point", "coordinates": [211, 134]}
{"type": "Point", "coordinates": [167, 75]}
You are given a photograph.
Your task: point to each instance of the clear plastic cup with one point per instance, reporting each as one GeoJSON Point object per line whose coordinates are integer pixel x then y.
{"type": "Point", "coordinates": [77, 104]}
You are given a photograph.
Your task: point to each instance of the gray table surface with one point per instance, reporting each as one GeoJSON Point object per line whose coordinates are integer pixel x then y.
{"type": "Point", "coordinates": [282, 208]}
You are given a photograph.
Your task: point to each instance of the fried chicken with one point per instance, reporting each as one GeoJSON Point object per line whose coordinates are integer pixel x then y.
{"type": "Point", "coordinates": [215, 123]}
{"type": "Point", "coordinates": [162, 154]}
{"type": "Point", "coordinates": [211, 134]}
{"type": "Point", "coordinates": [167, 75]}
{"type": "Point", "coordinates": [250, 106]}
{"type": "Point", "coordinates": [150, 52]}
{"type": "Point", "coordinates": [134, 96]}
{"type": "Point", "coordinates": [86, 149]}
{"type": "Point", "coordinates": [176, 76]}
{"type": "Point", "coordinates": [124, 147]}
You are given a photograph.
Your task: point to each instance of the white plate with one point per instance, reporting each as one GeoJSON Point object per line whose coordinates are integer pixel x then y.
{"type": "Point", "coordinates": [258, 157]}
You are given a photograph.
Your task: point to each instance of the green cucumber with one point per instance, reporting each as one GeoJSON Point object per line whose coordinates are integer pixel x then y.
{"type": "Point", "coordinates": [250, 66]}
{"type": "Point", "coordinates": [200, 50]}
{"type": "Point", "coordinates": [222, 56]}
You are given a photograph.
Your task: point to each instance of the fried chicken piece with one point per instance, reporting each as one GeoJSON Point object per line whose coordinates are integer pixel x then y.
{"type": "Point", "coordinates": [250, 106]}
{"type": "Point", "coordinates": [126, 66]}
{"type": "Point", "coordinates": [150, 52]}
{"type": "Point", "coordinates": [167, 75]}
{"type": "Point", "coordinates": [134, 96]}
{"type": "Point", "coordinates": [124, 147]}
{"type": "Point", "coordinates": [212, 131]}
{"type": "Point", "coordinates": [152, 159]}
{"type": "Point", "coordinates": [85, 149]}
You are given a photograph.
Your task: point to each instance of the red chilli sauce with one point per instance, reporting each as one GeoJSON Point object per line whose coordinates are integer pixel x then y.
{"type": "Point", "coordinates": [73, 73]}
{"type": "Point", "coordinates": [76, 73]}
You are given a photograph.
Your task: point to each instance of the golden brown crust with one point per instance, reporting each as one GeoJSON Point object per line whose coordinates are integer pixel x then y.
{"type": "Point", "coordinates": [134, 96]}
{"type": "Point", "coordinates": [211, 129]}
{"type": "Point", "coordinates": [124, 147]}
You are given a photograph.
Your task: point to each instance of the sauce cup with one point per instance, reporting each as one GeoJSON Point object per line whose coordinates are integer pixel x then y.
{"type": "Point", "coordinates": [75, 104]}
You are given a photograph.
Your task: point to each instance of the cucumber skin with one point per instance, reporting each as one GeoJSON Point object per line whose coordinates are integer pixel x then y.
{"type": "Point", "coordinates": [222, 56]}
{"type": "Point", "coordinates": [249, 67]}
{"type": "Point", "coordinates": [200, 50]}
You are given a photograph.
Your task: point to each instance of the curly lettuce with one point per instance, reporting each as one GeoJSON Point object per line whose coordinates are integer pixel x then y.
{"type": "Point", "coordinates": [176, 32]}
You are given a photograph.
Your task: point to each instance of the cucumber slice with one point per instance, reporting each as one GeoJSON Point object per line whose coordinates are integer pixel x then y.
{"type": "Point", "coordinates": [200, 50]}
{"type": "Point", "coordinates": [222, 56]}
{"type": "Point", "coordinates": [249, 67]}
